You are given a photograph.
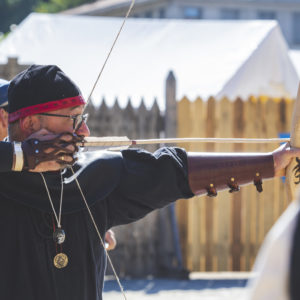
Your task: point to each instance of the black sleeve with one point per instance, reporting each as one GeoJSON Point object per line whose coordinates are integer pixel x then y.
{"type": "Point", "coordinates": [6, 156]}
{"type": "Point", "coordinates": [148, 181]}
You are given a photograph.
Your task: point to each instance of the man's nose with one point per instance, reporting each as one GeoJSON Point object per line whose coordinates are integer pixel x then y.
{"type": "Point", "coordinates": [83, 130]}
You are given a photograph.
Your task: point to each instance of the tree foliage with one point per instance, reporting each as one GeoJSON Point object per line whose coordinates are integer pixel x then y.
{"type": "Point", "coordinates": [14, 11]}
{"type": "Point", "coordinates": [54, 6]}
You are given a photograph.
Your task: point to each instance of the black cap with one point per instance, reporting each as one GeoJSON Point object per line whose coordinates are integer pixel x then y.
{"type": "Point", "coordinates": [32, 89]}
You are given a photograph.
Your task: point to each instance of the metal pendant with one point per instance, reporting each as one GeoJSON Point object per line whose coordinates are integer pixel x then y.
{"type": "Point", "coordinates": [60, 260]}
{"type": "Point", "coordinates": [59, 236]}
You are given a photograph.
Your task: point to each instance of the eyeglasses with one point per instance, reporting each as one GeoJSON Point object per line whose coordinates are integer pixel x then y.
{"type": "Point", "coordinates": [77, 119]}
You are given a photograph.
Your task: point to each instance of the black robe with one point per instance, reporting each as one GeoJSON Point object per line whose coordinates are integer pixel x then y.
{"type": "Point", "coordinates": [119, 187]}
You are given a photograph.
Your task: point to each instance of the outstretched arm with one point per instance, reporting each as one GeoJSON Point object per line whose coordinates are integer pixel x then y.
{"type": "Point", "coordinates": [212, 172]}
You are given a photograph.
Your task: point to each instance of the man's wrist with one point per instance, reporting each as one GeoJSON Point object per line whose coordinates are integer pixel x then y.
{"type": "Point", "coordinates": [18, 157]}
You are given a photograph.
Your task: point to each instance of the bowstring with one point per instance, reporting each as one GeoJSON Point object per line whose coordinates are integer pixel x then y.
{"type": "Point", "coordinates": [79, 187]}
{"type": "Point", "coordinates": [110, 51]}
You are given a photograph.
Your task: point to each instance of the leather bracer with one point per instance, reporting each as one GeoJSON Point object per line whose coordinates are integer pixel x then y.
{"type": "Point", "coordinates": [212, 172]}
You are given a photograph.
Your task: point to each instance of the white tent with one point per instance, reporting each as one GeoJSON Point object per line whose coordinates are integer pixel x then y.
{"type": "Point", "coordinates": [209, 58]}
{"type": "Point", "coordinates": [295, 57]}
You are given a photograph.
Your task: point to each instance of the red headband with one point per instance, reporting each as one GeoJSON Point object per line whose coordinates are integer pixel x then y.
{"type": "Point", "coordinates": [44, 107]}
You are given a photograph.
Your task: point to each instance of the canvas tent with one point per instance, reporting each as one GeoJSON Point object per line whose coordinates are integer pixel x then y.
{"type": "Point", "coordinates": [295, 57]}
{"type": "Point", "coordinates": [209, 58]}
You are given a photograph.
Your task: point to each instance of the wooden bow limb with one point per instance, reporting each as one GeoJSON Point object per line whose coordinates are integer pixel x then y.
{"type": "Point", "coordinates": [294, 142]}
{"type": "Point", "coordinates": [125, 141]}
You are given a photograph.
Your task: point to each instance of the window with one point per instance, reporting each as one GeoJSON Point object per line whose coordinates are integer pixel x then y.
{"type": "Point", "coordinates": [162, 13]}
{"type": "Point", "coordinates": [190, 12]}
{"type": "Point", "coordinates": [148, 14]}
{"type": "Point", "coordinates": [266, 15]}
{"type": "Point", "coordinates": [229, 14]}
{"type": "Point", "coordinates": [296, 28]}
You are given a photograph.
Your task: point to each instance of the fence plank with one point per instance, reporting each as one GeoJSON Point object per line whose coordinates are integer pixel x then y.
{"type": "Point", "coordinates": [210, 263]}
{"type": "Point", "coordinates": [248, 210]}
{"type": "Point", "coordinates": [222, 218]}
{"type": "Point", "coordinates": [238, 129]}
{"type": "Point", "coordinates": [289, 112]}
{"type": "Point", "coordinates": [194, 219]}
{"type": "Point", "coordinates": [183, 130]}
{"type": "Point", "coordinates": [198, 111]}
{"type": "Point", "coordinates": [271, 198]}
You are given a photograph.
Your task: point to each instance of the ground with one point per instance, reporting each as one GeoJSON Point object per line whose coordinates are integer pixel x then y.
{"type": "Point", "coordinates": [207, 286]}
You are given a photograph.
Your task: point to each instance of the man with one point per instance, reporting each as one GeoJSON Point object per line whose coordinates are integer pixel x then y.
{"type": "Point", "coordinates": [109, 236]}
{"type": "Point", "coordinates": [3, 108]}
{"type": "Point", "coordinates": [51, 246]}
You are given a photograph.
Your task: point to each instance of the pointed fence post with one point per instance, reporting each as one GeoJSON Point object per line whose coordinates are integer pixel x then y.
{"type": "Point", "coordinates": [171, 107]}
{"type": "Point", "coordinates": [11, 68]}
{"type": "Point", "coordinates": [170, 259]}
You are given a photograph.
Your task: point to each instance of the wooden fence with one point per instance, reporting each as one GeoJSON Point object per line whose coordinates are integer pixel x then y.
{"type": "Point", "coordinates": [225, 233]}
{"type": "Point", "coordinates": [134, 123]}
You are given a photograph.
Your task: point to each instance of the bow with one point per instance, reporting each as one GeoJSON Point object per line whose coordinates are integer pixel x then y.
{"type": "Point", "coordinates": [294, 142]}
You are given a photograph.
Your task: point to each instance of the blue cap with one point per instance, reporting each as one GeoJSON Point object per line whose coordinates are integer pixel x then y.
{"type": "Point", "coordinates": [3, 92]}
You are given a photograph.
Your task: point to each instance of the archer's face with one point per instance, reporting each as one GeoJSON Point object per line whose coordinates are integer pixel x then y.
{"type": "Point", "coordinates": [58, 124]}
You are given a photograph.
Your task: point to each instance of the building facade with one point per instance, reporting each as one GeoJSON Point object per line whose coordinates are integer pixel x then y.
{"type": "Point", "coordinates": [286, 12]}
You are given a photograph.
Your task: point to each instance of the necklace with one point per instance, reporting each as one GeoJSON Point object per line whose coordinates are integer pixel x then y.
{"type": "Point", "coordinates": [61, 259]}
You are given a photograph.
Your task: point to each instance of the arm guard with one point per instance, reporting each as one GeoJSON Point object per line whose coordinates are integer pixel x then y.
{"type": "Point", "coordinates": [209, 172]}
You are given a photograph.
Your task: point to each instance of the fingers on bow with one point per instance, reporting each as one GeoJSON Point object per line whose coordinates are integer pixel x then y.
{"type": "Point", "coordinates": [61, 149]}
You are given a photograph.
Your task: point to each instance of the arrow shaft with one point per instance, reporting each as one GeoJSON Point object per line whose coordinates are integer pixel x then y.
{"type": "Point", "coordinates": [124, 141]}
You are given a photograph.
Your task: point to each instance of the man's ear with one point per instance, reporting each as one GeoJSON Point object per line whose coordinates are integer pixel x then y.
{"type": "Point", "coordinates": [3, 121]}
{"type": "Point", "coordinates": [30, 124]}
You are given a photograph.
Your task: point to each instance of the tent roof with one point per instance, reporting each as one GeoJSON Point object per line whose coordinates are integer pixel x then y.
{"type": "Point", "coordinates": [106, 5]}
{"type": "Point", "coordinates": [295, 57]}
{"type": "Point", "coordinates": [102, 6]}
{"type": "Point", "coordinates": [224, 58]}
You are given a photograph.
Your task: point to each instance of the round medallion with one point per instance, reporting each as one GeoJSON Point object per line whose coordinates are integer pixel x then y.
{"type": "Point", "coordinates": [59, 236]}
{"type": "Point", "coordinates": [60, 260]}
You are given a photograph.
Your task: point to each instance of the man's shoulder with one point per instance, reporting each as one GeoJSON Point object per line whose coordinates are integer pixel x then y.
{"type": "Point", "coordinates": [90, 158]}
{"type": "Point", "coordinates": [101, 164]}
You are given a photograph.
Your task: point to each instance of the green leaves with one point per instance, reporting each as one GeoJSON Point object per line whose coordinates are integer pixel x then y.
{"type": "Point", "coordinates": [53, 6]}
